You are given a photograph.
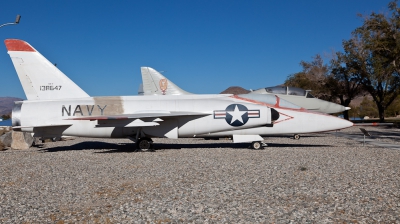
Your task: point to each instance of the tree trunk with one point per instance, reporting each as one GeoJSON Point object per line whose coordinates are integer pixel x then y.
{"type": "Point", "coordinates": [346, 103]}
{"type": "Point", "coordinates": [346, 114]}
{"type": "Point", "coordinates": [381, 111]}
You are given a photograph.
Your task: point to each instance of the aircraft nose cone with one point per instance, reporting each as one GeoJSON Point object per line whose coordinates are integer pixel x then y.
{"type": "Point", "coordinates": [340, 123]}
{"type": "Point", "coordinates": [331, 123]}
{"type": "Point", "coordinates": [332, 108]}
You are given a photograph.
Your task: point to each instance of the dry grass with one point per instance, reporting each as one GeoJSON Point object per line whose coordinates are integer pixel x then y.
{"type": "Point", "coordinates": [83, 215]}
{"type": "Point", "coordinates": [165, 220]}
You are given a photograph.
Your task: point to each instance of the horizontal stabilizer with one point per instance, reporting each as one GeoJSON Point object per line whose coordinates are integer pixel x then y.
{"type": "Point", "coordinates": [42, 126]}
{"type": "Point", "coordinates": [53, 130]}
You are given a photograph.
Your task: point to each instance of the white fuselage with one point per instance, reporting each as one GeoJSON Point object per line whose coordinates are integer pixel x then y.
{"type": "Point", "coordinates": [94, 117]}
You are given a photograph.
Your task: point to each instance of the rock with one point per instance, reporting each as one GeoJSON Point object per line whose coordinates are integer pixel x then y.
{"type": "Point", "coordinates": [36, 141]}
{"type": "Point", "coordinates": [21, 140]}
{"type": "Point", "coordinates": [4, 129]}
{"type": "Point", "coordinates": [6, 139]}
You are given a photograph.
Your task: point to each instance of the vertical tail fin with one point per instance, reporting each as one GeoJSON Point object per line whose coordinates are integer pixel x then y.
{"type": "Point", "coordinates": [156, 84]}
{"type": "Point", "coordinates": [40, 79]}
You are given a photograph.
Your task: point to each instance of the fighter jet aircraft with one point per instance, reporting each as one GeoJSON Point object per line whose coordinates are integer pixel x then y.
{"type": "Point", "coordinates": [300, 97]}
{"type": "Point", "coordinates": [154, 83]}
{"type": "Point", "coordinates": [56, 106]}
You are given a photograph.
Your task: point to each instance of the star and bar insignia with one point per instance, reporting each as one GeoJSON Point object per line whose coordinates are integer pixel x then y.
{"type": "Point", "coordinates": [236, 114]}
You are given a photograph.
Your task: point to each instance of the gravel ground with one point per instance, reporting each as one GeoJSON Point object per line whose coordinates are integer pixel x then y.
{"type": "Point", "coordinates": [320, 178]}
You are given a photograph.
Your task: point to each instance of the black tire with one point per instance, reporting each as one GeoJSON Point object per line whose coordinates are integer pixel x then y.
{"type": "Point", "coordinates": [145, 144]}
{"type": "Point", "coordinates": [256, 145]}
{"type": "Point", "coordinates": [296, 136]}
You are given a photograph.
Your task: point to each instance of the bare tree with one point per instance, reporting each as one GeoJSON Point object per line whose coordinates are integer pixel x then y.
{"type": "Point", "coordinates": [343, 81]}
{"type": "Point", "coordinates": [374, 55]}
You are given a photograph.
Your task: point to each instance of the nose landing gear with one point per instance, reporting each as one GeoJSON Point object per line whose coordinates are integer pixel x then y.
{"type": "Point", "coordinates": [296, 136]}
{"type": "Point", "coordinates": [257, 145]}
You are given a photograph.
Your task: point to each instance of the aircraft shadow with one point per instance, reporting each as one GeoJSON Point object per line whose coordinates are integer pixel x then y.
{"type": "Point", "coordinates": [226, 145]}
{"type": "Point", "coordinates": [381, 134]}
{"type": "Point", "coordinates": [169, 146]}
{"type": "Point", "coordinates": [130, 147]}
{"type": "Point", "coordinates": [277, 145]}
{"type": "Point", "coordinates": [395, 136]}
{"type": "Point", "coordinates": [291, 136]}
{"type": "Point", "coordinates": [245, 146]}
{"type": "Point", "coordinates": [90, 145]}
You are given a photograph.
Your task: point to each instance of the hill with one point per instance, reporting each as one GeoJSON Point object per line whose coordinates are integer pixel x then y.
{"type": "Point", "coordinates": [6, 104]}
{"type": "Point", "coordinates": [235, 90]}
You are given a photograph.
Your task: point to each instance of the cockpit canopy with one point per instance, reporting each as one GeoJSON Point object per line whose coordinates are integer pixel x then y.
{"type": "Point", "coordinates": [286, 90]}
{"type": "Point", "coordinates": [270, 99]}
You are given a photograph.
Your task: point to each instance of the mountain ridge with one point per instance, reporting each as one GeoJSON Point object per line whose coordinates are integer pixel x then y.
{"type": "Point", "coordinates": [6, 104]}
{"type": "Point", "coordinates": [235, 90]}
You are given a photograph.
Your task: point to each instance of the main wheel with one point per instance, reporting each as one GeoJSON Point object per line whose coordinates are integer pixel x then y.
{"type": "Point", "coordinates": [256, 145]}
{"type": "Point", "coordinates": [145, 144]}
{"type": "Point", "coordinates": [296, 136]}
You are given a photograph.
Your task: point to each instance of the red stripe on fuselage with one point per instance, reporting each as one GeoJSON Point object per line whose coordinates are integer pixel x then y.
{"type": "Point", "coordinates": [277, 105]}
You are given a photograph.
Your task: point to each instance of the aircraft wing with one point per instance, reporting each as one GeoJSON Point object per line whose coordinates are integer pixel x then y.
{"type": "Point", "coordinates": [138, 119]}
{"type": "Point", "coordinates": [140, 115]}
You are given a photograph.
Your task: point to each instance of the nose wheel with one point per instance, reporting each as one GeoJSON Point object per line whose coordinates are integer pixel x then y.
{"type": "Point", "coordinates": [257, 145]}
{"type": "Point", "coordinates": [296, 136]}
{"type": "Point", "coordinates": [144, 144]}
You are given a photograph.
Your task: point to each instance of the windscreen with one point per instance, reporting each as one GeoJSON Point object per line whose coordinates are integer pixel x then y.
{"type": "Point", "coordinates": [296, 91]}
{"type": "Point", "coordinates": [286, 90]}
{"type": "Point", "coordinates": [276, 89]}
{"type": "Point", "coordinates": [309, 95]}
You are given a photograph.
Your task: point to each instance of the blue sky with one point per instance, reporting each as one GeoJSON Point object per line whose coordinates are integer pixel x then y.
{"type": "Point", "coordinates": [203, 46]}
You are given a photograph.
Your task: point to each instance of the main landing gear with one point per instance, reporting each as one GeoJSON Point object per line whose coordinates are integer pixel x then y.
{"type": "Point", "coordinates": [144, 144]}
